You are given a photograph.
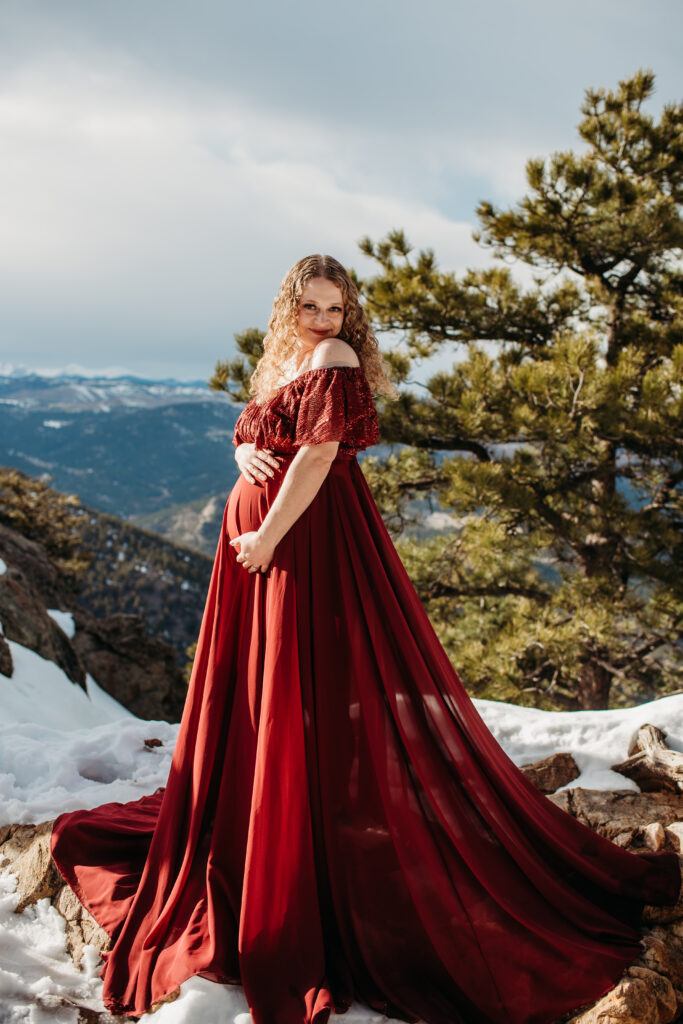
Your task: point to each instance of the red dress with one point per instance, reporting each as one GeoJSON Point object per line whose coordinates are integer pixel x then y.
{"type": "Point", "coordinates": [338, 822]}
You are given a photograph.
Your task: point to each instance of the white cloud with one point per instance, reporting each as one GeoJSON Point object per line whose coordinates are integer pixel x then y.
{"type": "Point", "coordinates": [129, 209]}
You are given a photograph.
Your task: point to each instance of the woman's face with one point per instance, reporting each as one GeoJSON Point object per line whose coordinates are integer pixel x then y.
{"type": "Point", "coordinates": [321, 311]}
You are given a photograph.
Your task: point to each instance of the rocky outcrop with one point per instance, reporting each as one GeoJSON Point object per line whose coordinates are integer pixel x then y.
{"type": "Point", "coordinates": [141, 672]}
{"type": "Point", "coordinates": [552, 772]}
{"type": "Point", "coordinates": [30, 560]}
{"type": "Point", "coordinates": [25, 620]}
{"type": "Point", "coordinates": [25, 851]}
{"type": "Point", "coordinates": [621, 815]}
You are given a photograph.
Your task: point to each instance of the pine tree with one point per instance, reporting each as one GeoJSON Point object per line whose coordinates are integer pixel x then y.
{"type": "Point", "coordinates": [559, 456]}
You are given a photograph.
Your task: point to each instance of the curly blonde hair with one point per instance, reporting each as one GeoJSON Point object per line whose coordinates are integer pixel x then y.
{"type": "Point", "coordinates": [281, 344]}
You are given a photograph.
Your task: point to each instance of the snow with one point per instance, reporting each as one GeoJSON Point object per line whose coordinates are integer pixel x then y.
{"type": "Point", "coordinates": [39, 694]}
{"type": "Point", "coordinates": [62, 748]}
{"type": "Point", "coordinates": [64, 620]}
{"type": "Point", "coordinates": [36, 973]}
{"type": "Point", "coordinates": [597, 739]}
{"type": "Point", "coordinates": [3, 567]}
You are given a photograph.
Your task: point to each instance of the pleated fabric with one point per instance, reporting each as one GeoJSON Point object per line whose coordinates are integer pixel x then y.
{"type": "Point", "coordinates": [338, 822]}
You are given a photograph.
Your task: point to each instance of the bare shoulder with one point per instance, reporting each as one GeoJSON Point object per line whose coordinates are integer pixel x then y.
{"type": "Point", "coordinates": [333, 350]}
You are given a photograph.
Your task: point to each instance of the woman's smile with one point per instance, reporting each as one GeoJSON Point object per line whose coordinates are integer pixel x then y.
{"type": "Point", "coordinates": [321, 310]}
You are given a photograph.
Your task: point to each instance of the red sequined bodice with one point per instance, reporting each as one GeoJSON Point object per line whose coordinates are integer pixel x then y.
{"type": "Point", "coordinates": [329, 403]}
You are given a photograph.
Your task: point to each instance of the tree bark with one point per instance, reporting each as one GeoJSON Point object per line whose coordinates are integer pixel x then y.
{"type": "Point", "coordinates": [651, 763]}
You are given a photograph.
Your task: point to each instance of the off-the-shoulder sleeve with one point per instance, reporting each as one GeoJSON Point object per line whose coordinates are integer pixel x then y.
{"type": "Point", "coordinates": [335, 404]}
{"type": "Point", "coordinates": [241, 422]}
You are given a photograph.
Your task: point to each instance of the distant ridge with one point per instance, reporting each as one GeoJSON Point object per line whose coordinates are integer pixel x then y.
{"type": "Point", "coordinates": [78, 372]}
{"type": "Point", "coordinates": [126, 445]}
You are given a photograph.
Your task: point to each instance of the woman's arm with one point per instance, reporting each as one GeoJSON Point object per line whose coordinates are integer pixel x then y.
{"type": "Point", "coordinates": [302, 481]}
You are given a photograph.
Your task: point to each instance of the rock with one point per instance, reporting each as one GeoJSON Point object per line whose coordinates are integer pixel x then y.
{"type": "Point", "coordinates": [25, 851]}
{"type": "Point", "coordinates": [6, 664]}
{"type": "Point", "coordinates": [641, 997]}
{"type": "Point", "coordinates": [30, 559]}
{"type": "Point", "coordinates": [81, 927]}
{"type": "Point", "coordinates": [627, 818]}
{"type": "Point", "coordinates": [616, 813]}
{"type": "Point", "coordinates": [665, 915]}
{"type": "Point", "coordinates": [674, 834]}
{"type": "Point", "coordinates": [138, 670]}
{"type": "Point", "coordinates": [663, 954]}
{"type": "Point", "coordinates": [552, 772]}
{"type": "Point", "coordinates": [654, 836]}
{"type": "Point", "coordinates": [25, 620]}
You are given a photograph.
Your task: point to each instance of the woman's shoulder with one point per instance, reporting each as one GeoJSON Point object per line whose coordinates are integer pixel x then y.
{"type": "Point", "coordinates": [333, 349]}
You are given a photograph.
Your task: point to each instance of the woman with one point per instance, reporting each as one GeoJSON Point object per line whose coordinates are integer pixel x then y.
{"type": "Point", "coordinates": [338, 822]}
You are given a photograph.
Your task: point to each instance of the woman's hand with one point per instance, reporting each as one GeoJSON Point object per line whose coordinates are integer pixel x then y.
{"type": "Point", "coordinates": [255, 553]}
{"type": "Point", "coordinates": [254, 461]}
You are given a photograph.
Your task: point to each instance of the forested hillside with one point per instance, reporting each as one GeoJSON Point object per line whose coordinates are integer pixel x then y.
{"type": "Point", "coordinates": [111, 565]}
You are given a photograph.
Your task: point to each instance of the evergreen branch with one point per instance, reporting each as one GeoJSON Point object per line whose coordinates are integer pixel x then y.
{"type": "Point", "coordinates": [440, 589]}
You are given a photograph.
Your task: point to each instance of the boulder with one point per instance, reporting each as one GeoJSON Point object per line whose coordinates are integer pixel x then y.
{"type": "Point", "coordinates": [25, 852]}
{"type": "Point", "coordinates": [552, 772]}
{"type": "Point", "coordinates": [25, 620]}
{"type": "Point", "coordinates": [621, 815]}
{"type": "Point", "coordinates": [641, 997]}
{"type": "Point", "coordinates": [139, 671]}
{"type": "Point", "coordinates": [30, 559]}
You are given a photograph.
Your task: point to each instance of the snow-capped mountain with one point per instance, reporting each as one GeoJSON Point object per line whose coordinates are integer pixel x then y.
{"type": "Point", "coordinates": [125, 445]}
{"type": "Point", "coordinates": [66, 392]}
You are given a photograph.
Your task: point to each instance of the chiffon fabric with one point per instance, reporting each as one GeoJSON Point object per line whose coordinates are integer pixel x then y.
{"type": "Point", "coordinates": [338, 823]}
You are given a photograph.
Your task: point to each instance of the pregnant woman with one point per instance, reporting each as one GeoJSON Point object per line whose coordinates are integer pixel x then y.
{"type": "Point", "coordinates": [338, 822]}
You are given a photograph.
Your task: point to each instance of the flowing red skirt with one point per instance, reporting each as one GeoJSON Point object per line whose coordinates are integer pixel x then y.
{"type": "Point", "coordinates": [338, 822]}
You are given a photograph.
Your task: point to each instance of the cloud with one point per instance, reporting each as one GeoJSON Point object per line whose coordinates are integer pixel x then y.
{"type": "Point", "coordinates": [163, 165]}
{"type": "Point", "coordinates": [131, 212]}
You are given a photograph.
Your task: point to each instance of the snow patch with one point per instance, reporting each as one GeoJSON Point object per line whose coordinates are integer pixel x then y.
{"type": "Point", "coordinates": [38, 978]}
{"type": "Point", "coordinates": [596, 739]}
{"type": "Point", "coordinates": [64, 620]}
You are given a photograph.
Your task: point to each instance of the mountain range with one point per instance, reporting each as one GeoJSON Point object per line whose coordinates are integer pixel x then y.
{"type": "Point", "coordinates": [125, 445]}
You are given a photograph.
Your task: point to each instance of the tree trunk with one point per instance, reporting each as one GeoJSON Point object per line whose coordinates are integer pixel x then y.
{"type": "Point", "coordinates": [651, 764]}
{"type": "Point", "coordinates": [594, 685]}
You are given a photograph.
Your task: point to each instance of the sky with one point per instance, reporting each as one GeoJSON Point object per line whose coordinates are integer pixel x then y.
{"type": "Point", "coordinates": [164, 163]}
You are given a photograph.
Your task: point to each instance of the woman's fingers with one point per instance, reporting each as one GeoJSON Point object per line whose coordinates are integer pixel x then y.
{"type": "Point", "coordinates": [261, 467]}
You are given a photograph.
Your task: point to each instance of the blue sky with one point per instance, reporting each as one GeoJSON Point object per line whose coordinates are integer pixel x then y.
{"type": "Point", "coordinates": [164, 163]}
